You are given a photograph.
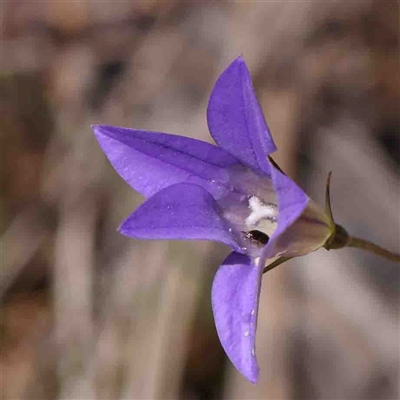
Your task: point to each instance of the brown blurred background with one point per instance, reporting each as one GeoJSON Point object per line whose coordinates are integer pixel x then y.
{"type": "Point", "coordinates": [90, 314]}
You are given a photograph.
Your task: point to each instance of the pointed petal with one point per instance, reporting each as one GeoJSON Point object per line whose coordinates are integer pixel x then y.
{"type": "Point", "coordinates": [302, 226]}
{"type": "Point", "coordinates": [181, 211]}
{"type": "Point", "coordinates": [235, 295]}
{"type": "Point", "coordinates": [235, 119]}
{"type": "Point", "coordinates": [151, 161]}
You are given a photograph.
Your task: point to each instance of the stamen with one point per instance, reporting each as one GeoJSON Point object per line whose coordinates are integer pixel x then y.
{"type": "Point", "coordinates": [259, 211]}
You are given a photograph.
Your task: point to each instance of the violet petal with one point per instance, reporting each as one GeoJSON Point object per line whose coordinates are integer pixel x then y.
{"type": "Point", "coordinates": [235, 119]}
{"type": "Point", "coordinates": [181, 211]}
{"type": "Point", "coordinates": [292, 201]}
{"type": "Point", "coordinates": [151, 161]}
{"type": "Point", "coordinates": [235, 294]}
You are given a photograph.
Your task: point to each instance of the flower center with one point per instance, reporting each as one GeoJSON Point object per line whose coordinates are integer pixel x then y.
{"type": "Point", "coordinates": [261, 212]}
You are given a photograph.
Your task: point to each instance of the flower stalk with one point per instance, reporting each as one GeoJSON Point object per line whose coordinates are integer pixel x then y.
{"type": "Point", "coordinates": [340, 238]}
{"type": "Point", "coordinates": [373, 248]}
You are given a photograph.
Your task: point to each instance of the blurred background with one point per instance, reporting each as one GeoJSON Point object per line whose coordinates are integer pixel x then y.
{"type": "Point", "coordinates": [89, 314]}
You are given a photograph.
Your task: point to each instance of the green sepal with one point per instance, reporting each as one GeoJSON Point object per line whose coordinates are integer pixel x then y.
{"type": "Point", "coordinates": [275, 263]}
{"type": "Point", "coordinates": [339, 237]}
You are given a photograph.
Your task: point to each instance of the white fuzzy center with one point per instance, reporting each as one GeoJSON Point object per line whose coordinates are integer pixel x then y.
{"type": "Point", "coordinates": [260, 211]}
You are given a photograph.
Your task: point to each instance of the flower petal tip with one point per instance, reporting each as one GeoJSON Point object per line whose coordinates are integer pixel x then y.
{"type": "Point", "coordinates": [96, 127]}
{"type": "Point", "coordinates": [100, 129]}
{"type": "Point", "coordinates": [238, 60]}
{"type": "Point", "coordinates": [122, 229]}
{"type": "Point", "coordinates": [251, 373]}
{"type": "Point", "coordinates": [253, 378]}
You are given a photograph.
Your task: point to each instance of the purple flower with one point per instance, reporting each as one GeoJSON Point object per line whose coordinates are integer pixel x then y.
{"type": "Point", "coordinates": [233, 194]}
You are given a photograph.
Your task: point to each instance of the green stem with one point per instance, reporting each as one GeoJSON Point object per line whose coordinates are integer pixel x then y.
{"type": "Point", "coordinates": [274, 264]}
{"type": "Point", "coordinates": [372, 248]}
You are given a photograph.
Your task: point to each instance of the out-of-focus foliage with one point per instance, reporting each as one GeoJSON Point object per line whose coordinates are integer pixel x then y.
{"type": "Point", "coordinates": [89, 314]}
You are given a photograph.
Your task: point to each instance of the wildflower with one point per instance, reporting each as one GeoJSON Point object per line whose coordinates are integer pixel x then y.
{"type": "Point", "coordinates": [232, 193]}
